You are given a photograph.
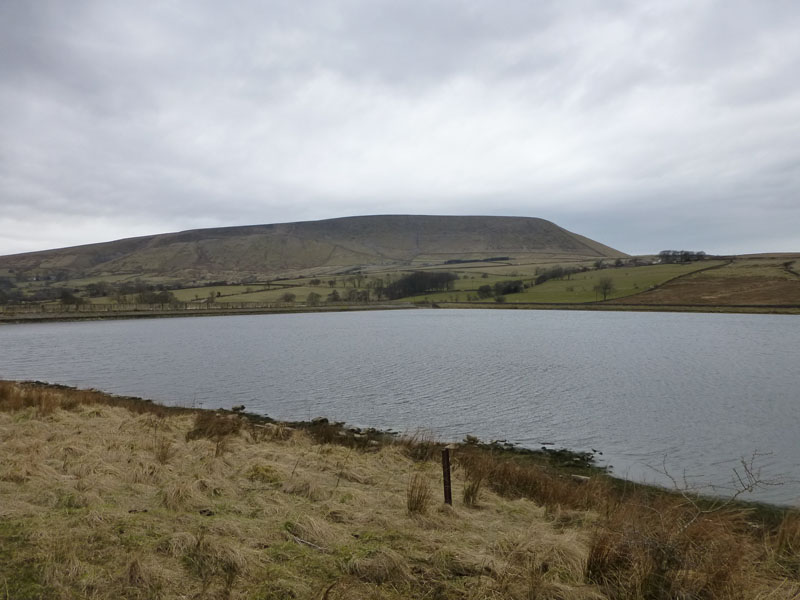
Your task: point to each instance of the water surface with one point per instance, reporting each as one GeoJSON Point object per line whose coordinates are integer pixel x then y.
{"type": "Point", "coordinates": [690, 392]}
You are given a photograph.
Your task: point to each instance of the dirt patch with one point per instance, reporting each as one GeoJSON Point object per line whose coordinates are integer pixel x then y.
{"type": "Point", "coordinates": [727, 291]}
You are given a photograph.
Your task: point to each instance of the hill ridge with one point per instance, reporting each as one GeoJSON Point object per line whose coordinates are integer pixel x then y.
{"type": "Point", "coordinates": [307, 245]}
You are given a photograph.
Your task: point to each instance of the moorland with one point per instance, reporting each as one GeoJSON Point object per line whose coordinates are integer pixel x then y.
{"type": "Point", "coordinates": [115, 497]}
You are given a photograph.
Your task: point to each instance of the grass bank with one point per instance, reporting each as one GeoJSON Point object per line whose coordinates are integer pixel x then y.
{"type": "Point", "coordinates": [112, 312]}
{"type": "Point", "coordinates": [110, 497]}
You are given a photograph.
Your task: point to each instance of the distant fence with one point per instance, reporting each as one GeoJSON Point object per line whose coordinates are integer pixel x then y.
{"type": "Point", "coordinates": [112, 308]}
{"type": "Point", "coordinates": [31, 310]}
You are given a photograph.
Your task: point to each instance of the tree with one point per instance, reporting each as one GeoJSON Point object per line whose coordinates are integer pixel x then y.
{"type": "Point", "coordinates": [604, 286]}
{"type": "Point", "coordinates": [163, 297]}
{"type": "Point", "coordinates": [420, 282]}
{"type": "Point", "coordinates": [508, 287]}
{"type": "Point", "coordinates": [333, 296]}
{"type": "Point", "coordinates": [67, 297]}
{"type": "Point", "coordinates": [485, 291]}
{"type": "Point", "coordinates": [313, 299]}
{"type": "Point", "coordinates": [288, 297]}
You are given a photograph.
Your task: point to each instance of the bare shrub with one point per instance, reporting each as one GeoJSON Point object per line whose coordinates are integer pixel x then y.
{"type": "Point", "coordinates": [163, 450]}
{"type": "Point", "coordinates": [786, 544]}
{"type": "Point", "coordinates": [47, 403]}
{"type": "Point", "coordinates": [477, 466]}
{"type": "Point", "coordinates": [213, 426]}
{"type": "Point", "coordinates": [666, 550]}
{"type": "Point", "coordinates": [418, 494]}
{"type": "Point", "coordinates": [471, 492]}
{"type": "Point", "coordinates": [11, 396]}
{"type": "Point", "coordinates": [421, 446]}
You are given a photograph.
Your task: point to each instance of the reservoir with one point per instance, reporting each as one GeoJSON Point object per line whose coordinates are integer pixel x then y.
{"type": "Point", "coordinates": [686, 394]}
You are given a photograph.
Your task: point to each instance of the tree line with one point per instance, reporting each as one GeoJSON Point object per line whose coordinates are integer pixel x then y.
{"type": "Point", "coordinates": [420, 282]}
{"type": "Point", "coordinates": [680, 256]}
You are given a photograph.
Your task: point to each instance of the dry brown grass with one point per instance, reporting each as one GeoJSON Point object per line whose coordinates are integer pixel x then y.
{"type": "Point", "coordinates": [217, 428]}
{"type": "Point", "coordinates": [380, 566]}
{"type": "Point", "coordinates": [421, 446]}
{"type": "Point", "coordinates": [163, 450]}
{"type": "Point", "coordinates": [90, 508]}
{"type": "Point", "coordinates": [669, 549]}
{"type": "Point", "coordinates": [418, 493]}
{"type": "Point", "coordinates": [786, 545]}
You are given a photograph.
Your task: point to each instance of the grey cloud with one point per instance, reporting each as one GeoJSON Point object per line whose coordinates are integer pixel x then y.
{"type": "Point", "coordinates": [184, 114]}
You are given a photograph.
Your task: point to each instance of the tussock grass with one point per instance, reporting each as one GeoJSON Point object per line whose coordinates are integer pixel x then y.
{"type": "Point", "coordinates": [418, 494]}
{"type": "Point", "coordinates": [421, 446]}
{"type": "Point", "coordinates": [163, 450]}
{"type": "Point", "coordinates": [380, 566]}
{"type": "Point", "coordinates": [89, 508]}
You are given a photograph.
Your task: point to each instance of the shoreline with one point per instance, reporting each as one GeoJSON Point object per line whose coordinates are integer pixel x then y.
{"type": "Point", "coordinates": [36, 316]}
{"type": "Point", "coordinates": [12, 317]}
{"type": "Point", "coordinates": [580, 464]}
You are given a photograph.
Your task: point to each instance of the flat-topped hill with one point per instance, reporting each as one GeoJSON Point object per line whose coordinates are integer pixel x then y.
{"type": "Point", "coordinates": [305, 246]}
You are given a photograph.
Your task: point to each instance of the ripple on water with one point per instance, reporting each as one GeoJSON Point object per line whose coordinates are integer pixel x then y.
{"type": "Point", "coordinates": [702, 390]}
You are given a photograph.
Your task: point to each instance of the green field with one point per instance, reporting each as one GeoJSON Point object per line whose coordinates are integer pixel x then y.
{"type": "Point", "coordinates": [274, 295]}
{"type": "Point", "coordinates": [579, 287]}
{"type": "Point", "coordinates": [757, 267]}
{"type": "Point", "coordinates": [627, 281]}
{"type": "Point", "coordinates": [224, 291]}
{"type": "Point", "coordinates": [774, 279]}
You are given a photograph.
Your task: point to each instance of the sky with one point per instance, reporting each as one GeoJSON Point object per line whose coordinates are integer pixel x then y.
{"type": "Point", "coordinates": [645, 125]}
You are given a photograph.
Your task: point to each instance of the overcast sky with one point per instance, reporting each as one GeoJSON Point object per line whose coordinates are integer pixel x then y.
{"type": "Point", "coordinates": [645, 125]}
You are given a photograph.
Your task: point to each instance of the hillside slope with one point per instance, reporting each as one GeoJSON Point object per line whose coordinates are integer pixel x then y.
{"type": "Point", "coordinates": [303, 246]}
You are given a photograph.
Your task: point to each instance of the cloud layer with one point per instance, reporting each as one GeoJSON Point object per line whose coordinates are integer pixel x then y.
{"type": "Point", "coordinates": [644, 125]}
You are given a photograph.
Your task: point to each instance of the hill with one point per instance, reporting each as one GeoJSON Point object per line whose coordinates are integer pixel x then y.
{"type": "Point", "coordinates": [310, 247]}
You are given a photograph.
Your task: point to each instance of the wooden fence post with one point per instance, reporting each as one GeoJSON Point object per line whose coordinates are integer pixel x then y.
{"type": "Point", "coordinates": [448, 495]}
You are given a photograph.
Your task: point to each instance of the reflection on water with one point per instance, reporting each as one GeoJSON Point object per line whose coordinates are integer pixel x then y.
{"type": "Point", "coordinates": [689, 392]}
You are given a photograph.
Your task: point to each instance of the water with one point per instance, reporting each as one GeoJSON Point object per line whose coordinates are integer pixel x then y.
{"type": "Point", "coordinates": [687, 393]}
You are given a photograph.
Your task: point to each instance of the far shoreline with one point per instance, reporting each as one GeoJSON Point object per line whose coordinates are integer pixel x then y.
{"type": "Point", "coordinates": [10, 316]}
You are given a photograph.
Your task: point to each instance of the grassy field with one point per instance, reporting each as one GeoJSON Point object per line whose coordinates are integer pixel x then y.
{"type": "Point", "coordinates": [745, 281]}
{"type": "Point", "coordinates": [738, 283]}
{"type": "Point", "coordinates": [578, 287]}
{"type": "Point", "coordinates": [224, 291]}
{"type": "Point", "coordinates": [627, 281]}
{"type": "Point", "coordinates": [104, 497]}
{"type": "Point", "coordinates": [274, 295]}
